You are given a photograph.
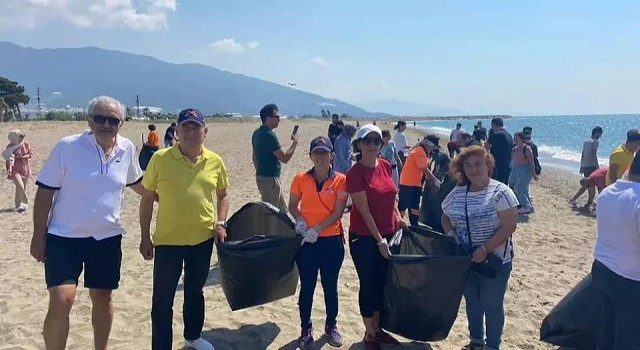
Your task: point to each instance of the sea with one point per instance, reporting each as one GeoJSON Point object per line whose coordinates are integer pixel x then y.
{"type": "Point", "coordinates": [559, 138]}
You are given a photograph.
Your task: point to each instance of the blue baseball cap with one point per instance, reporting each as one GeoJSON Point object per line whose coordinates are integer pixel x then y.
{"type": "Point", "coordinates": [191, 115]}
{"type": "Point", "coordinates": [321, 143]}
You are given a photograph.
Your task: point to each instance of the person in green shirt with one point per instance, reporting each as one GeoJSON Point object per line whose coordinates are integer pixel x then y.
{"type": "Point", "coordinates": [268, 157]}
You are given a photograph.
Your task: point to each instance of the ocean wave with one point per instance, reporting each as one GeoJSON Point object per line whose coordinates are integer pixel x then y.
{"type": "Point", "coordinates": [561, 153]}
{"type": "Point", "coordinates": [436, 129]}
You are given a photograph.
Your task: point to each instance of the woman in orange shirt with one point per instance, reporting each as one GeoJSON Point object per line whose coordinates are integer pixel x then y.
{"type": "Point", "coordinates": [317, 201]}
{"type": "Point", "coordinates": [410, 190]}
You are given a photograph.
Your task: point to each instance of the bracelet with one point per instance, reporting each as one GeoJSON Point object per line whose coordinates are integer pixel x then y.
{"type": "Point", "coordinates": [382, 241]}
{"type": "Point", "coordinates": [485, 249]}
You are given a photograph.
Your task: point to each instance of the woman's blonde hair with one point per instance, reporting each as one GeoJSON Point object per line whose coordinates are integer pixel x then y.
{"type": "Point", "coordinates": [457, 165]}
{"type": "Point", "coordinates": [15, 135]}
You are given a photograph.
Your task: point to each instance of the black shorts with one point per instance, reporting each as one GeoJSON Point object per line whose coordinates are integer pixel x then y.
{"type": "Point", "coordinates": [409, 197]}
{"type": "Point", "coordinates": [65, 258]}
{"type": "Point", "coordinates": [587, 170]}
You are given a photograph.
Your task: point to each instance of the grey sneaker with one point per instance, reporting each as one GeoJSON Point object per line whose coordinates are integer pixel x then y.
{"type": "Point", "coordinates": [333, 336]}
{"type": "Point", "coordinates": [305, 342]}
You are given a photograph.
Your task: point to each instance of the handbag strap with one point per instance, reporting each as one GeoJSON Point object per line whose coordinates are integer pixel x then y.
{"type": "Point", "coordinates": [466, 217]}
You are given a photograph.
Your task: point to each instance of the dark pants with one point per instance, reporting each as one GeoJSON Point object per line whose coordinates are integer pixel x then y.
{"type": "Point", "coordinates": [501, 172]}
{"type": "Point", "coordinates": [167, 268]}
{"type": "Point", "coordinates": [409, 198]}
{"type": "Point", "coordinates": [372, 273]}
{"type": "Point", "coordinates": [621, 307]}
{"type": "Point", "coordinates": [326, 256]}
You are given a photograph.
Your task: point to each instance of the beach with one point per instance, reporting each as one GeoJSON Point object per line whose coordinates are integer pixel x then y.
{"type": "Point", "coordinates": [553, 252]}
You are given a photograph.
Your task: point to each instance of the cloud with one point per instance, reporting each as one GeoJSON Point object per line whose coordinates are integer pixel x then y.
{"type": "Point", "coordinates": [319, 61]}
{"type": "Point", "coordinates": [227, 46]}
{"type": "Point", "coordinates": [253, 45]}
{"type": "Point", "coordinates": [133, 14]}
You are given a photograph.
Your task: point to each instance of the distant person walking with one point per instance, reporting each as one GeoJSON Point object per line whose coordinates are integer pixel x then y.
{"type": "Point", "coordinates": [170, 135]}
{"type": "Point", "coordinates": [480, 133]}
{"type": "Point", "coordinates": [81, 229]}
{"type": "Point", "coordinates": [500, 144]}
{"type": "Point", "coordinates": [523, 170]}
{"type": "Point", "coordinates": [453, 146]}
{"type": "Point", "coordinates": [334, 128]}
{"type": "Point", "coordinates": [17, 155]}
{"type": "Point", "coordinates": [390, 153]}
{"type": "Point", "coordinates": [616, 269]}
{"type": "Point", "coordinates": [621, 157]}
{"type": "Point", "coordinates": [589, 159]}
{"type": "Point", "coordinates": [400, 140]}
{"type": "Point", "coordinates": [192, 182]}
{"type": "Point", "coordinates": [342, 148]}
{"type": "Point", "coordinates": [268, 157]}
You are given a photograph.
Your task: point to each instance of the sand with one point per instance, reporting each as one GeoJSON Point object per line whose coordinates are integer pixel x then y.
{"type": "Point", "coordinates": [553, 252]}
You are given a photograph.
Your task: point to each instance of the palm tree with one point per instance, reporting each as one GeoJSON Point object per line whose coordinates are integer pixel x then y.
{"type": "Point", "coordinates": [4, 109]}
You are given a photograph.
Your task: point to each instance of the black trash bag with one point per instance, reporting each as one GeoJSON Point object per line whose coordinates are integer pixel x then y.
{"type": "Point", "coordinates": [423, 241]}
{"type": "Point", "coordinates": [574, 322]}
{"type": "Point", "coordinates": [145, 155]}
{"type": "Point", "coordinates": [423, 292]}
{"type": "Point", "coordinates": [432, 198]}
{"type": "Point", "coordinates": [257, 260]}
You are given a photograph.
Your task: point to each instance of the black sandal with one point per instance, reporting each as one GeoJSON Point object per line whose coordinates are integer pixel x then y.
{"type": "Point", "coordinates": [473, 346]}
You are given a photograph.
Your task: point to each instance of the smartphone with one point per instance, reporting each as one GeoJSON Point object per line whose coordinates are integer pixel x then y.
{"type": "Point", "coordinates": [295, 130]}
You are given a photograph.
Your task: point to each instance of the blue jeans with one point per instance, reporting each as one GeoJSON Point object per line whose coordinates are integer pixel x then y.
{"type": "Point", "coordinates": [326, 256]}
{"type": "Point", "coordinates": [485, 301]}
{"type": "Point", "coordinates": [620, 327]}
{"type": "Point", "coordinates": [520, 179]}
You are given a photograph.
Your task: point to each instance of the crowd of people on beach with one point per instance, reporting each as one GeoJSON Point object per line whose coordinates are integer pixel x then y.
{"type": "Point", "coordinates": [356, 169]}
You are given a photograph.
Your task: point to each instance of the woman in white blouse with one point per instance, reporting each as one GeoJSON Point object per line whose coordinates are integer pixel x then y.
{"type": "Point", "coordinates": [482, 214]}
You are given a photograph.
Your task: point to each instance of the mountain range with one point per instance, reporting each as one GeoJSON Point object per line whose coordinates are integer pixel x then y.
{"type": "Point", "coordinates": [72, 76]}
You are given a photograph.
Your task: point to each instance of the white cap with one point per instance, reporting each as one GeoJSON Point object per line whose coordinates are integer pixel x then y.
{"type": "Point", "coordinates": [366, 130]}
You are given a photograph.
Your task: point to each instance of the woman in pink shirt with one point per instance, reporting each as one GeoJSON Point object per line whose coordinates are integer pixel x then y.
{"type": "Point", "coordinates": [522, 171]}
{"type": "Point", "coordinates": [17, 155]}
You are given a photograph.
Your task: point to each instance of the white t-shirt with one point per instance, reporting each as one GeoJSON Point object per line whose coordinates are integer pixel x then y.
{"type": "Point", "coordinates": [483, 207]}
{"type": "Point", "coordinates": [618, 219]}
{"type": "Point", "coordinates": [454, 134]}
{"type": "Point", "coordinates": [89, 188]}
{"type": "Point", "coordinates": [589, 153]}
{"type": "Point", "coordinates": [401, 142]}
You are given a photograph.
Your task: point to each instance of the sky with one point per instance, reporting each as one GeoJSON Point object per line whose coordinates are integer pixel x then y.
{"type": "Point", "coordinates": [543, 57]}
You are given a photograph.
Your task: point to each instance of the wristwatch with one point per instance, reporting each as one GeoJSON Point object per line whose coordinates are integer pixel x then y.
{"type": "Point", "coordinates": [222, 223]}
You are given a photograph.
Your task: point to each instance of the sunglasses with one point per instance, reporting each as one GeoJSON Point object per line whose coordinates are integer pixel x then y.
{"type": "Point", "coordinates": [275, 116]}
{"type": "Point", "coordinates": [99, 119]}
{"type": "Point", "coordinates": [371, 140]}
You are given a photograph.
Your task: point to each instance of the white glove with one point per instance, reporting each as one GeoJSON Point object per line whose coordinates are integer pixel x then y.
{"type": "Point", "coordinates": [301, 226]}
{"type": "Point", "coordinates": [311, 236]}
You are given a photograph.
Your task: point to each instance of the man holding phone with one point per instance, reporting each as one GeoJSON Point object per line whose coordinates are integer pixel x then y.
{"type": "Point", "coordinates": [268, 156]}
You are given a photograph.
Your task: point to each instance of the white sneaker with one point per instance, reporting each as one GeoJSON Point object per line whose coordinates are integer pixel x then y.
{"type": "Point", "coordinates": [198, 344]}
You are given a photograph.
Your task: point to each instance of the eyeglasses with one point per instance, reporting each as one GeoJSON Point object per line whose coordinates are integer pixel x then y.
{"type": "Point", "coordinates": [99, 119]}
{"type": "Point", "coordinates": [371, 140]}
{"type": "Point", "coordinates": [275, 116]}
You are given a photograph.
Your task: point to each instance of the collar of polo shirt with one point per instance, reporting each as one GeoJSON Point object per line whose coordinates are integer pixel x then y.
{"type": "Point", "coordinates": [89, 136]}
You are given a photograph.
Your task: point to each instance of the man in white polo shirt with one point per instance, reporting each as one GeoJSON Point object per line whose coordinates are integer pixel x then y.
{"type": "Point", "coordinates": [76, 219]}
{"type": "Point", "coordinates": [616, 269]}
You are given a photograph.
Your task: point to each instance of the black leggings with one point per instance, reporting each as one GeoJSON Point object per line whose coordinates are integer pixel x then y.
{"type": "Point", "coordinates": [409, 198]}
{"type": "Point", "coordinates": [372, 273]}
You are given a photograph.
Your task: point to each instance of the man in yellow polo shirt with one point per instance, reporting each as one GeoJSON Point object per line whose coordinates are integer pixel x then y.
{"type": "Point", "coordinates": [185, 178]}
{"type": "Point", "coordinates": [621, 158]}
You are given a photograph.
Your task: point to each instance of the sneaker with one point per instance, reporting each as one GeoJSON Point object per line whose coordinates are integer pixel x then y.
{"type": "Point", "coordinates": [371, 343]}
{"type": "Point", "coordinates": [572, 202]}
{"type": "Point", "coordinates": [386, 338]}
{"type": "Point", "coordinates": [333, 336]}
{"type": "Point", "coordinates": [306, 339]}
{"type": "Point", "coordinates": [198, 344]}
